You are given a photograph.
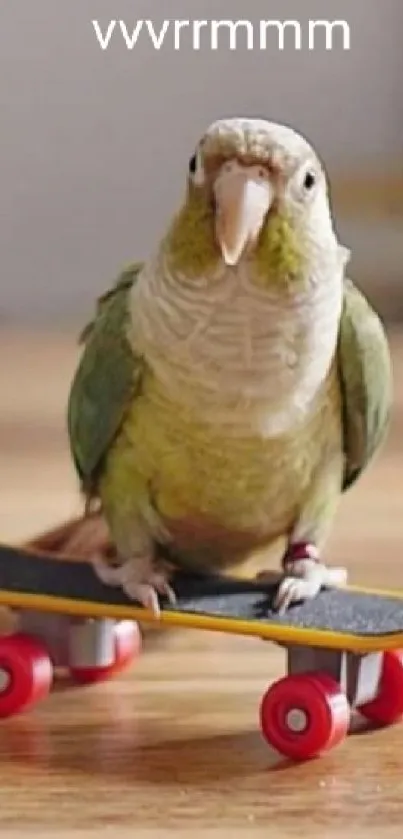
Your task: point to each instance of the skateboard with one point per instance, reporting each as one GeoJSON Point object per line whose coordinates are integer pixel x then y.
{"type": "Point", "coordinates": [343, 649]}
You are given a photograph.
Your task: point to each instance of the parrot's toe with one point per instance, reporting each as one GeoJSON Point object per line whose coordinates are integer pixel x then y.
{"type": "Point", "coordinates": [144, 594]}
{"type": "Point", "coordinates": [305, 581]}
{"type": "Point", "coordinates": [147, 592]}
{"type": "Point", "coordinates": [108, 574]}
{"type": "Point", "coordinates": [143, 587]}
{"type": "Point", "coordinates": [295, 590]}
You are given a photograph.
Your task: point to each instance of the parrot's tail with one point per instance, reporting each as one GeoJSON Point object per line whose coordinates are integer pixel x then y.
{"type": "Point", "coordinates": [82, 538]}
{"type": "Point", "coordinates": [79, 538]}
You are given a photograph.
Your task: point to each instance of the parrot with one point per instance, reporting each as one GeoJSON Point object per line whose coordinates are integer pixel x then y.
{"type": "Point", "coordinates": [236, 383]}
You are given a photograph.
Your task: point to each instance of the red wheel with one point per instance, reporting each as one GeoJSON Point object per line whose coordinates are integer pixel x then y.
{"type": "Point", "coordinates": [387, 707]}
{"type": "Point", "coordinates": [127, 648]}
{"type": "Point", "coordinates": [26, 673]}
{"type": "Point", "coordinates": [304, 715]}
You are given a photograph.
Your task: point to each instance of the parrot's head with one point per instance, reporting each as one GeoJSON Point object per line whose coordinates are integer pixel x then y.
{"type": "Point", "coordinates": [256, 191]}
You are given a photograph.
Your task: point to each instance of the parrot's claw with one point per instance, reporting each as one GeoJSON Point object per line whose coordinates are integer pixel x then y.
{"type": "Point", "coordinates": [305, 581]}
{"type": "Point", "coordinates": [145, 591]}
{"type": "Point", "coordinates": [147, 594]}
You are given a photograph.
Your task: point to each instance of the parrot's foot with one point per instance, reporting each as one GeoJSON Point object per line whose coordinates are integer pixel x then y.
{"type": "Point", "coordinates": [305, 577]}
{"type": "Point", "coordinates": [136, 583]}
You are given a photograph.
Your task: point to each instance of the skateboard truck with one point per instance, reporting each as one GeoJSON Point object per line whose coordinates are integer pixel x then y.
{"type": "Point", "coordinates": [309, 711]}
{"type": "Point", "coordinates": [91, 650]}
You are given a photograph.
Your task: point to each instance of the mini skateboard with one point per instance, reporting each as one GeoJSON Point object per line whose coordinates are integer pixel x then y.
{"type": "Point", "coordinates": [343, 650]}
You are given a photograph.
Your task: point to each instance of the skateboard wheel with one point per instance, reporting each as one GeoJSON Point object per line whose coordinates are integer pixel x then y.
{"type": "Point", "coordinates": [26, 673]}
{"type": "Point", "coordinates": [387, 707]}
{"type": "Point", "coordinates": [303, 715]}
{"type": "Point", "coordinates": [127, 648]}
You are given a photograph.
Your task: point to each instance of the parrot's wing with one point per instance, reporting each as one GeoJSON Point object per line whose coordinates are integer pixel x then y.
{"type": "Point", "coordinates": [366, 381]}
{"type": "Point", "coordinates": [108, 376]}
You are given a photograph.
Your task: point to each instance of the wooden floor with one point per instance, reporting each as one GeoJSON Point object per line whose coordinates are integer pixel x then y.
{"type": "Point", "coordinates": [173, 746]}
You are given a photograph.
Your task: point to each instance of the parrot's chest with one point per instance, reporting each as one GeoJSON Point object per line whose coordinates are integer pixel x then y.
{"type": "Point", "coordinates": [225, 345]}
{"type": "Point", "coordinates": [194, 469]}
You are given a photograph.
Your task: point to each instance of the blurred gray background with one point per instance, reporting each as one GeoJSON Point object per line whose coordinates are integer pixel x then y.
{"type": "Point", "coordinates": [94, 145]}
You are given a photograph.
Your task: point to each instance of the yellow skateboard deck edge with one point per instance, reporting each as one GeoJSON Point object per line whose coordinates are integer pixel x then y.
{"type": "Point", "coordinates": [277, 633]}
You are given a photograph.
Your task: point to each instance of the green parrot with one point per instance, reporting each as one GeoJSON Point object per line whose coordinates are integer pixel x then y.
{"type": "Point", "coordinates": [233, 386]}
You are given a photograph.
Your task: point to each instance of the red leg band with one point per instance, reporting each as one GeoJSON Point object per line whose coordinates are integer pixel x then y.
{"type": "Point", "coordinates": [300, 551]}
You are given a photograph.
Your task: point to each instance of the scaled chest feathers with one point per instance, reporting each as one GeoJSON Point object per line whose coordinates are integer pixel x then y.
{"type": "Point", "coordinates": [188, 465]}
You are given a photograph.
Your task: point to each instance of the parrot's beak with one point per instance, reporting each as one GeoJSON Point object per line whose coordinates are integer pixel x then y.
{"type": "Point", "coordinates": [242, 202]}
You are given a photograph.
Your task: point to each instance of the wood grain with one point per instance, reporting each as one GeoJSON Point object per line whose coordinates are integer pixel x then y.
{"type": "Point", "coordinates": [173, 746]}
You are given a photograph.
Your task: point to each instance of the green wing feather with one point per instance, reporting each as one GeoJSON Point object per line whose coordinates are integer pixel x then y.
{"type": "Point", "coordinates": [366, 381]}
{"type": "Point", "coordinates": [107, 378]}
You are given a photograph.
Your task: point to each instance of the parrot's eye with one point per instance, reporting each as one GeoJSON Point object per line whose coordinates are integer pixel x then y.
{"type": "Point", "coordinates": [196, 170]}
{"type": "Point", "coordinates": [304, 183]}
{"type": "Point", "coordinates": [309, 181]}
